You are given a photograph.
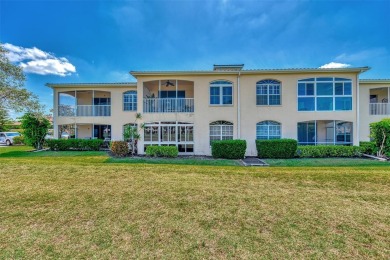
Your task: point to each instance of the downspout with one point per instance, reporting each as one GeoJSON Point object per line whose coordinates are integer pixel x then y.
{"type": "Point", "coordinates": [238, 107]}
{"type": "Point", "coordinates": [357, 110]}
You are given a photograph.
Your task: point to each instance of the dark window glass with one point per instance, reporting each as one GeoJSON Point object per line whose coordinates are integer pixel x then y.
{"type": "Point", "coordinates": [306, 104]}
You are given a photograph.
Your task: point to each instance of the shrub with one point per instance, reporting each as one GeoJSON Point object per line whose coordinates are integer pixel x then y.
{"type": "Point", "coordinates": [162, 151]}
{"type": "Point", "coordinates": [18, 140]}
{"type": "Point", "coordinates": [228, 149]}
{"type": "Point", "coordinates": [35, 129]}
{"type": "Point", "coordinates": [380, 133]}
{"type": "Point", "coordinates": [74, 144]}
{"type": "Point", "coordinates": [119, 148]}
{"type": "Point", "coordinates": [322, 151]}
{"type": "Point", "coordinates": [276, 148]}
{"type": "Point", "coordinates": [368, 147]}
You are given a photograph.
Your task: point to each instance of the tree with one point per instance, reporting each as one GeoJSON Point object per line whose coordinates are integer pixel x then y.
{"type": "Point", "coordinates": [380, 133]}
{"type": "Point", "coordinates": [35, 129]}
{"type": "Point", "coordinates": [12, 93]}
{"type": "Point", "coordinates": [4, 120]}
{"type": "Point", "coordinates": [131, 134]}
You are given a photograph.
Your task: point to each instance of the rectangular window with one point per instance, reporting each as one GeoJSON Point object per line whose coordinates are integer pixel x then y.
{"type": "Point", "coordinates": [221, 93]}
{"type": "Point", "coordinates": [214, 95]}
{"type": "Point", "coordinates": [324, 94]}
{"type": "Point", "coordinates": [307, 133]}
{"type": "Point", "coordinates": [343, 103]}
{"type": "Point", "coordinates": [306, 104]}
{"type": "Point", "coordinates": [268, 93]}
{"type": "Point", "coordinates": [324, 103]}
{"type": "Point", "coordinates": [324, 89]}
{"type": "Point", "coordinates": [227, 96]}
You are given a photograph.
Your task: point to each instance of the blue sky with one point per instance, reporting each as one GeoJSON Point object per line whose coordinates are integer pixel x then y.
{"type": "Point", "coordinates": [101, 41]}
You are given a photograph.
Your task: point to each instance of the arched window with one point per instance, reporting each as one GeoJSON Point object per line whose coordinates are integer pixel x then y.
{"type": "Point", "coordinates": [221, 93]}
{"type": "Point", "coordinates": [221, 130]}
{"type": "Point", "coordinates": [268, 130]}
{"type": "Point", "coordinates": [268, 92]}
{"type": "Point", "coordinates": [130, 101]}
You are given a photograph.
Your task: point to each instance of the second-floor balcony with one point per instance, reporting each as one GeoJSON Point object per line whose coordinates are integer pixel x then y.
{"type": "Point", "coordinates": [84, 103]}
{"type": "Point", "coordinates": [379, 109]}
{"type": "Point", "coordinates": [168, 105]}
{"type": "Point", "coordinates": [84, 110]}
{"type": "Point", "coordinates": [379, 101]}
{"type": "Point", "coordinates": [168, 96]}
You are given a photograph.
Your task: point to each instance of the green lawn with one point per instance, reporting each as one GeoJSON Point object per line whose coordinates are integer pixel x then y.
{"type": "Point", "coordinates": [326, 162]}
{"type": "Point", "coordinates": [76, 205]}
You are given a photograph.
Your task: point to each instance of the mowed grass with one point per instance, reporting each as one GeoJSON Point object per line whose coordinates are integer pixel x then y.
{"type": "Point", "coordinates": [64, 206]}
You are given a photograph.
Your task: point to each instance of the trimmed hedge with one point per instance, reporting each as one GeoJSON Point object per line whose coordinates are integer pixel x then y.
{"type": "Point", "coordinates": [276, 148]}
{"type": "Point", "coordinates": [368, 148]}
{"type": "Point", "coordinates": [119, 148]}
{"type": "Point", "coordinates": [74, 144]}
{"type": "Point", "coordinates": [162, 151]}
{"type": "Point", "coordinates": [18, 140]}
{"type": "Point", "coordinates": [321, 151]}
{"type": "Point", "coordinates": [228, 149]}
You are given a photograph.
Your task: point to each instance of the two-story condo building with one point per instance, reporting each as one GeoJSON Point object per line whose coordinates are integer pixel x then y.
{"type": "Point", "coordinates": [190, 109]}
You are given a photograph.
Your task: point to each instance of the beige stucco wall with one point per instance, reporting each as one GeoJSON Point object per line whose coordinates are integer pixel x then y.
{"type": "Point", "coordinates": [249, 114]}
{"type": "Point", "coordinates": [118, 117]}
{"type": "Point", "coordinates": [364, 116]}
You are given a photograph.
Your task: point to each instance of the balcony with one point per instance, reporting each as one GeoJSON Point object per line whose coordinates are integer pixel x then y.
{"type": "Point", "coordinates": [168, 96]}
{"type": "Point", "coordinates": [379, 109]}
{"type": "Point", "coordinates": [379, 101]}
{"type": "Point", "coordinates": [168, 105]}
{"type": "Point", "coordinates": [84, 110]}
{"type": "Point", "coordinates": [84, 103]}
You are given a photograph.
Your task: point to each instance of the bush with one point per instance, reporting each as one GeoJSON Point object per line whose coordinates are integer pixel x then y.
{"type": "Point", "coordinates": [18, 140]}
{"type": "Point", "coordinates": [162, 151]}
{"type": "Point", "coordinates": [74, 144]}
{"type": "Point", "coordinates": [276, 148]}
{"type": "Point", "coordinates": [322, 151]}
{"type": "Point", "coordinates": [228, 149]}
{"type": "Point", "coordinates": [368, 147]}
{"type": "Point", "coordinates": [380, 133]}
{"type": "Point", "coordinates": [35, 129]}
{"type": "Point", "coordinates": [119, 148]}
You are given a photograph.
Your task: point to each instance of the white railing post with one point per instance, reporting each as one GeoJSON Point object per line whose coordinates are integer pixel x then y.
{"type": "Point", "coordinates": [168, 105]}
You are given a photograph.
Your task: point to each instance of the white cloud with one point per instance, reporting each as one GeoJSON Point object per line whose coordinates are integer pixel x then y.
{"type": "Point", "coordinates": [334, 65]}
{"type": "Point", "coordinates": [34, 60]}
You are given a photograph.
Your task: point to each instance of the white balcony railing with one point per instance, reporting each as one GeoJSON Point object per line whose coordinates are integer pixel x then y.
{"type": "Point", "coordinates": [379, 109]}
{"type": "Point", "coordinates": [168, 105]}
{"type": "Point", "coordinates": [84, 110]}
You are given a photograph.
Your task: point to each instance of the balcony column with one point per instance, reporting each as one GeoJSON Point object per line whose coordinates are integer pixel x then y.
{"type": "Point", "coordinates": [176, 97]}
{"type": "Point", "coordinates": [158, 97]}
{"type": "Point", "coordinates": [93, 103]}
{"type": "Point", "coordinates": [75, 103]}
{"type": "Point", "coordinates": [388, 101]}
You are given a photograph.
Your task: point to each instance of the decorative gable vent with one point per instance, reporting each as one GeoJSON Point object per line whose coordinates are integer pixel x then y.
{"type": "Point", "coordinates": [233, 67]}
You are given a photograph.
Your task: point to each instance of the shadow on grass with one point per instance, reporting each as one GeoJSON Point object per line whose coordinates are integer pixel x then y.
{"type": "Point", "coordinates": [177, 161]}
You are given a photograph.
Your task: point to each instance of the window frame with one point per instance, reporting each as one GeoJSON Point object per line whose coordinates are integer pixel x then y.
{"type": "Point", "coordinates": [318, 80]}
{"type": "Point", "coordinates": [275, 123]}
{"type": "Point", "coordinates": [220, 86]}
{"type": "Point", "coordinates": [268, 83]}
{"type": "Point", "coordinates": [222, 125]}
{"type": "Point", "coordinates": [133, 104]}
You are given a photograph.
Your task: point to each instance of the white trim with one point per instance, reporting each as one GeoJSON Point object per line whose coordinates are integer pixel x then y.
{"type": "Point", "coordinates": [220, 87]}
